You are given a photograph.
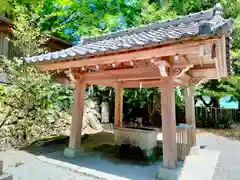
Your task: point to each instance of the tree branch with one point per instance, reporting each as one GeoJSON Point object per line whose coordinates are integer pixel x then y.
{"type": "Point", "coordinates": [5, 119]}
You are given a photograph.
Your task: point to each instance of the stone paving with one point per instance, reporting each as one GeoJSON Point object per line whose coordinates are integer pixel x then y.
{"type": "Point", "coordinates": [228, 167]}
{"type": "Point", "coordinates": [24, 166]}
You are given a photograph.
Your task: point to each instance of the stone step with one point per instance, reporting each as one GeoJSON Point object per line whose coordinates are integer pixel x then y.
{"type": "Point", "coordinates": [201, 166]}
{"type": "Point", "coordinates": [6, 176]}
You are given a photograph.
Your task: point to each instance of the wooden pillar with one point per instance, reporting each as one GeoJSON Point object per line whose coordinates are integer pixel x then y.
{"type": "Point", "coordinates": [168, 124]}
{"type": "Point", "coordinates": [190, 112]}
{"type": "Point", "coordinates": [77, 115]}
{"type": "Point", "coordinates": [118, 111]}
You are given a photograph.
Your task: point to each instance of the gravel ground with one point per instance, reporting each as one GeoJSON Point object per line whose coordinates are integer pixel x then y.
{"type": "Point", "coordinates": [24, 166]}
{"type": "Point", "coordinates": [228, 167]}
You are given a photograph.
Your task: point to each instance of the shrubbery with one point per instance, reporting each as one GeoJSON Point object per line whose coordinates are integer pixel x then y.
{"type": "Point", "coordinates": [31, 104]}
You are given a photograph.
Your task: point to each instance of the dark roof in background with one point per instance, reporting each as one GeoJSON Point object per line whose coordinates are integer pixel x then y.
{"type": "Point", "coordinates": [5, 20]}
{"type": "Point", "coordinates": [204, 23]}
{"type": "Point", "coordinates": [54, 38]}
{"type": "Point", "coordinates": [9, 21]}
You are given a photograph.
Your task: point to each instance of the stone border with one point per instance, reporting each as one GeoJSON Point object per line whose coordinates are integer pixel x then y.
{"type": "Point", "coordinates": [4, 176]}
{"type": "Point", "coordinates": [81, 170]}
{"type": "Point", "coordinates": [200, 164]}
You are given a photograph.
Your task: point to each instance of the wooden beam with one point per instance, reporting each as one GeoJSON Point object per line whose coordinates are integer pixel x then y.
{"type": "Point", "coordinates": [223, 53]}
{"type": "Point", "coordinates": [135, 76]}
{"type": "Point", "coordinates": [205, 66]}
{"type": "Point", "coordinates": [218, 59]}
{"type": "Point", "coordinates": [77, 116]}
{"type": "Point", "coordinates": [195, 60]}
{"type": "Point", "coordinates": [169, 125]}
{"type": "Point", "coordinates": [190, 113]}
{"type": "Point", "coordinates": [188, 47]}
{"type": "Point", "coordinates": [103, 83]}
{"type": "Point", "coordinates": [118, 111]}
{"type": "Point", "coordinates": [145, 83]}
{"type": "Point", "coordinates": [204, 73]}
{"type": "Point", "coordinates": [122, 74]}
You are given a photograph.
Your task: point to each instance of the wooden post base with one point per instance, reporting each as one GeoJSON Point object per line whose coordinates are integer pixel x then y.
{"type": "Point", "coordinates": [71, 153]}
{"type": "Point", "coordinates": [168, 174]}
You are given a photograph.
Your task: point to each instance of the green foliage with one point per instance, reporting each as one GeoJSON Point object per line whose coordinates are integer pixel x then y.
{"type": "Point", "coordinates": [31, 102]}
{"type": "Point", "coordinates": [70, 19]}
{"type": "Point", "coordinates": [138, 100]}
{"type": "Point", "coordinates": [27, 38]}
{"type": "Point", "coordinates": [215, 118]}
{"type": "Point", "coordinates": [152, 12]}
{"type": "Point", "coordinates": [73, 20]}
{"type": "Point", "coordinates": [186, 6]}
{"type": "Point", "coordinates": [7, 6]}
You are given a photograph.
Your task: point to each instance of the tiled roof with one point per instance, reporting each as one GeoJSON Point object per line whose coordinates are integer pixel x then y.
{"type": "Point", "coordinates": [209, 22]}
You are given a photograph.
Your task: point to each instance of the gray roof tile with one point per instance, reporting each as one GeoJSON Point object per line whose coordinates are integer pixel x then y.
{"type": "Point", "coordinates": [209, 22]}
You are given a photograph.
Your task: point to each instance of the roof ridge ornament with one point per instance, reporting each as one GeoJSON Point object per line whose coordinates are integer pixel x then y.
{"type": "Point", "coordinates": [207, 27]}
{"type": "Point", "coordinates": [218, 9]}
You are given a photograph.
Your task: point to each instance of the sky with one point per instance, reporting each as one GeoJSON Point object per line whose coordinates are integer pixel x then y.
{"type": "Point", "coordinates": [224, 102]}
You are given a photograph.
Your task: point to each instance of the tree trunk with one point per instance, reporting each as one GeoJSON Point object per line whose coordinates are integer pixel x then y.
{"type": "Point", "coordinates": [215, 101]}
{"type": "Point", "coordinates": [105, 112]}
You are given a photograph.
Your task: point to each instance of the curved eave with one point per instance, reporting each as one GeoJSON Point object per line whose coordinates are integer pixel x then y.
{"type": "Point", "coordinates": [127, 50]}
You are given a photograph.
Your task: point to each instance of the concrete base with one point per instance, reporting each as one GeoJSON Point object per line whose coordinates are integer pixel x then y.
{"type": "Point", "coordinates": [168, 174]}
{"type": "Point", "coordinates": [71, 153]}
{"type": "Point", "coordinates": [6, 176]}
{"type": "Point", "coordinates": [150, 154]}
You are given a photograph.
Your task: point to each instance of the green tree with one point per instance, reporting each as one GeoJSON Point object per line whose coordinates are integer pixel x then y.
{"type": "Point", "coordinates": [74, 19]}
{"type": "Point", "coordinates": [7, 6]}
{"type": "Point", "coordinates": [30, 102]}
{"type": "Point", "coordinates": [27, 38]}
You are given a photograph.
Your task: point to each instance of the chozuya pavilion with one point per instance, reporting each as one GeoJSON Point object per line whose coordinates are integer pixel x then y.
{"type": "Point", "coordinates": [165, 54]}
